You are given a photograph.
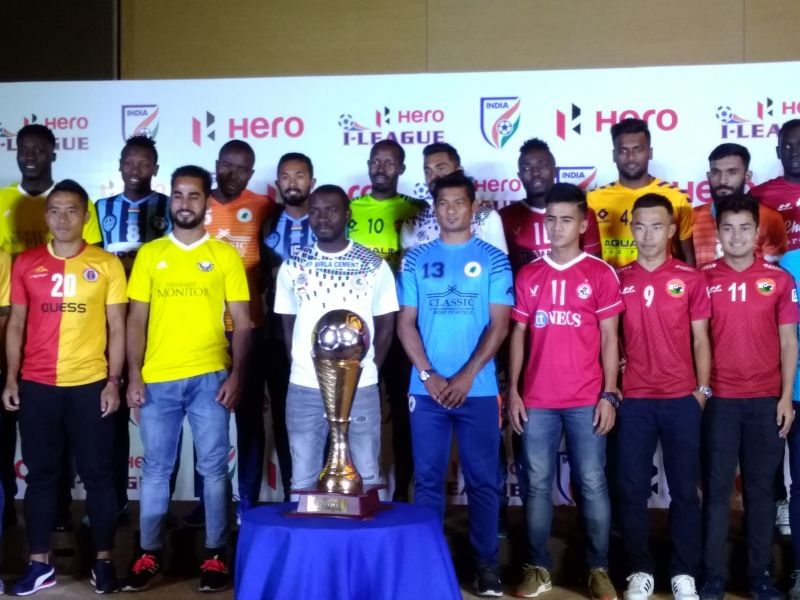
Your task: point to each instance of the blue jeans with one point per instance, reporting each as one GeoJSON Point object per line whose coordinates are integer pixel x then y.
{"type": "Point", "coordinates": [641, 422]}
{"type": "Point", "coordinates": [308, 432]}
{"type": "Point", "coordinates": [161, 421]}
{"type": "Point", "coordinates": [477, 427]}
{"type": "Point", "coordinates": [587, 460]}
{"type": "Point", "coordinates": [740, 430]}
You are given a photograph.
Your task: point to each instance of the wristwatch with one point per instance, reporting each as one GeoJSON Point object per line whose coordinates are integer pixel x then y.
{"type": "Point", "coordinates": [611, 398]}
{"type": "Point", "coordinates": [114, 379]}
{"type": "Point", "coordinates": [705, 390]}
{"type": "Point", "coordinates": [425, 374]}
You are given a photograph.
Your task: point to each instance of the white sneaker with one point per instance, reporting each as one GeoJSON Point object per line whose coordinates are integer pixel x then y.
{"type": "Point", "coordinates": [794, 592]}
{"type": "Point", "coordinates": [782, 517]}
{"type": "Point", "coordinates": [640, 586]}
{"type": "Point", "coordinates": [683, 588]}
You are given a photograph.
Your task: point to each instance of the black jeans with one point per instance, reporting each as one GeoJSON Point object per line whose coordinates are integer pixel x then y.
{"type": "Point", "coordinates": [740, 430]}
{"type": "Point", "coordinates": [54, 417]}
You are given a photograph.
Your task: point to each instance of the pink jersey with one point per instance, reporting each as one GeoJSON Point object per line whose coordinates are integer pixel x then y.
{"type": "Point", "coordinates": [526, 238]}
{"type": "Point", "coordinates": [746, 309]}
{"type": "Point", "coordinates": [660, 306]}
{"type": "Point", "coordinates": [785, 198]}
{"type": "Point", "coordinates": [563, 305]}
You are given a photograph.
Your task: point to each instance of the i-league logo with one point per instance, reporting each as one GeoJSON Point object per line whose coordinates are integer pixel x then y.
{"type": "Point", "coordinates": [499, 119]}
{"type": "Point", "coordinates": [203, 128]}
{"type": "Point", "coordinates": [139, 119]}
{"type": "Point", "coordinates": [572, 122]}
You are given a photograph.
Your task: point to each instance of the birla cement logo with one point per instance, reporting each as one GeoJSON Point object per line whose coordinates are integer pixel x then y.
{"type": "Point", "coordinates": [139, 119]}
{"type": "Point", "coordinates": [207, 125]}
{"type": "Point", "coordinates": [500, 117]}
{"type": "Point", "coordinates": [763, 122]}
{"type": "Point", "coordinates": [68, 130]}
{"type": "Point", "coordinates": [583, 177]}
{"type": "Point", "coordinates": [574, 120]}
{"type": "Point", "coordinates": [405, 126]}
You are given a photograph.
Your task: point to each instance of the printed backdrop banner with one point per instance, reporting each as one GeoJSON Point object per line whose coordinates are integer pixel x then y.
{"type": "Point", "coordinates": [335, 120]}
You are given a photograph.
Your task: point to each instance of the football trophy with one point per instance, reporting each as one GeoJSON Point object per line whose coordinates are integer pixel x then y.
{"type": "Point", "coordinates": [340, 342]}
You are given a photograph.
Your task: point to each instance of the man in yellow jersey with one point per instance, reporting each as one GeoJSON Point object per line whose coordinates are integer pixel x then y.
{"type": "Point", "coordinates": [65, 296]}
{"type": "Point", "coordinates": [613, 203]}
{"type": "Point", "coordinates": [376, 223]}
{"type": "Point", "coordinates": [178, 363]}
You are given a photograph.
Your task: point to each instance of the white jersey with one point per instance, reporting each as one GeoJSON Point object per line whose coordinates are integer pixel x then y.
{"type": "Point", "coordinates": [313, 282]}
{"type": "Point", "coordinates": [423, 228]}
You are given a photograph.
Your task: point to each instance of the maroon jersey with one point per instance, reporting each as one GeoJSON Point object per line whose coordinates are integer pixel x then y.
{"type": "Point", "coordinates": [563, 305]}
{"type": "Point", "coordinates": [785, 198]}
{"type": "Point", "coordinates": [746, 309]}
{"type": "Point", "coordinates": [660, 306]}
{"type": "Point", "coordinates": [526, 238]}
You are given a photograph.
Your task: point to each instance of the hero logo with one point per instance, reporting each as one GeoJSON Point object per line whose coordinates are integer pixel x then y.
{"type": "Point", "coordinates": [769, 112]}
{"type": "Point", "coordinates": [397, 125]}
{"type": "Point", "coordinates": [139, 119]}
{"type": "Point", "coordinates": [247, 127]}
{"type": "Point", "coordinates": [499, 119]}
{"type": "Point", "coordinates": [56, 125]}
{"type": "Point", "coordinates": [544, 318]}
{"type": "Point", "coordinates": [664, 119]}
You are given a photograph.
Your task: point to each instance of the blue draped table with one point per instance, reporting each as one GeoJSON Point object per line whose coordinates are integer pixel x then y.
{"type": "Point", "coordinates": [400, 553]}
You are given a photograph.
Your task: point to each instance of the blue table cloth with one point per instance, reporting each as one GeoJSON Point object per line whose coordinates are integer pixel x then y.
{"type": "Point", "coordinates": [400, 553]}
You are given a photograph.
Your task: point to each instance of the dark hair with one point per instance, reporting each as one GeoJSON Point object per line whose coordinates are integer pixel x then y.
{"type": "Point", "coordinates": [37, 130]}
{"type": "Point", "coordinates": [329, 188]}
{"type": "Point", "coordinates": [653, 201]}
{"type": "Point", "coordinates": [534, 144]}
{"type": "Point", "coordinates": [193, 171]}
{"type": "Point", "coordinates": [736, 203]}
{"type": "Point", "coordinates": [456, 179]}
{"type": "Point", "coordinates": [567, 192]}
{"type": "Point", "coordinates": [299, 157]}
{"type": "Point", "coordinates": [629, 126]}
{"type": "Point", "coordinates": [730, 149]}
{"type": "Point", "coordinates": [145, 142]}
{"type": "Point", "coordinates": [438, 147]}
{"type": "Point", "coordinates": [389, 144]}
{"type": "Point", "coordinates": [785, 128]}
{"type": "Point", "coordinates": [70, 186]}
{"type": "Point", "coordinates": [238, 146]}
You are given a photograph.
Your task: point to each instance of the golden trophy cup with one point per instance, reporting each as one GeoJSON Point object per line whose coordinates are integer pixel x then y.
{"type": "Point", "coordinates": [340, 342]}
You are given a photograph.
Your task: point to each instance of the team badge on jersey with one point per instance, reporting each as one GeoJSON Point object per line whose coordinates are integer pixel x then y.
{"type": "Point", "coordinates": [300, 283]}
{"type": "Point", "coordinates": [273, 239]}
{"type": "Point", "coordinates": [109, 222]}
{"type": "Point", "coordinates": [584, 291]}
{"type": "Point", "coordinates": [245, 215]}
{"type": "Point", "coordinates": [205, 266]}
{"type": "Point", "coordinates": [472, 269]}
{"type": "Point", "coordinates": [676, 288]}
{"type": "Point", "coordinates": [90, 275]}
{"type": "Point", "coordinates": [765, 287]}
{"type": "Point", "coordinates": [359, 283]}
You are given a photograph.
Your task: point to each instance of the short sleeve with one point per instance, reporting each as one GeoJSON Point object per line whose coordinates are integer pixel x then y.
{"type": "Point", "coordinates": [285, 300]}
{"type": "Point", "coordinates": [5, 278]}
{"type": "Point", "coordinates": [407, 281]}
{"type": "Point", "coordinates": [407, 234]}
{"type": "Point", "coordinates": [493, 232]}
{"type": "Point", "coordinates": [521, 311]}
{"type": "Point", "coordinates": [91, 230]}
{"type": "Point", "coordinates": [116, 292]}
{"type": "Point", "coordinates": [19, 293]}
{"type": "Point", "coordinates": [699, 300]}
{"type": "Point", "coordinates": [384, 300]}
{"type": "Point", "coordinates": [501, 281]}
{"type": "Point", "coordinates": [236, 288]}
{"type": "Point", "coordinates": [140, 283]}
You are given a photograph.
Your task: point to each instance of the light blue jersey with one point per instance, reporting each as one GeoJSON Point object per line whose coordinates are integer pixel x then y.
{"type": "Point", "coordinates": [791, 262]}
{"type": "Point", "coordinates": [452, 286]}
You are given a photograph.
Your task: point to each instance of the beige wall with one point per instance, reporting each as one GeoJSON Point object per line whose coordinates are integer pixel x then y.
{"type": "Point", "coordinates": [229, 38]}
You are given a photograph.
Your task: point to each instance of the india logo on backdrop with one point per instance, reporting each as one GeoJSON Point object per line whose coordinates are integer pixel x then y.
{"type": "Point", "coordinates": [139, 119]}
{"type": "Point", "coordinates": [499, 119]}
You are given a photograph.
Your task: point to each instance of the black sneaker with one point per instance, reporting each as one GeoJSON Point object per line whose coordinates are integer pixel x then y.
{"type": "Point", "coordinates": [104, 577]}
{"type": "Point", "coordinates": [487, 581]}
{"type": "Point", "coordinates": [762, 588]}
{"type": "Point", "coordinates": [143, 572]}
{"type": "Point", "coordinates": [214, 574]}
{"type": "Point", "coordinates": [37, 576]}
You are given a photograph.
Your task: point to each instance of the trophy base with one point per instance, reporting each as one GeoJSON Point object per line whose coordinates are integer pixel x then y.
{"type": "Point", "coordinates": [355, 506]}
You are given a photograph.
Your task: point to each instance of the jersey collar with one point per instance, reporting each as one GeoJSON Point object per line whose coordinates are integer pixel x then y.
{"type": "Point", "coordinates": [546, 258]}
{"type": "Point", "coordinates": [192, 246]}
{"type": "Point", "coordinates": [44, 194]}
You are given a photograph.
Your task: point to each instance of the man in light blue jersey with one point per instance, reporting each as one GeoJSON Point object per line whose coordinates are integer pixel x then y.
{"type": "Point", "coordinates": [127, 221]}
{"type": "Point", "coordinates": [455, 295]}
{"type": "Point", "coordinates": [284, 235]}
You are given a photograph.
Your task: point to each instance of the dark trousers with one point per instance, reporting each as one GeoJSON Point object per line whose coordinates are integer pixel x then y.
{"type": "Point", "coordinates": [395, 375]}
{"type": "Point", "coordinates": [51, 418]}
{"type": "Point", "coordinates": [640, 424]}
{"type": "Point", "coordinates": [8, 472]}
{"type": "Point", "coordinates": [278, 367]}
{"type": "Point", "coordinates": [794, 497]}
{"type": "Point", "coordinates": [740, 430]}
